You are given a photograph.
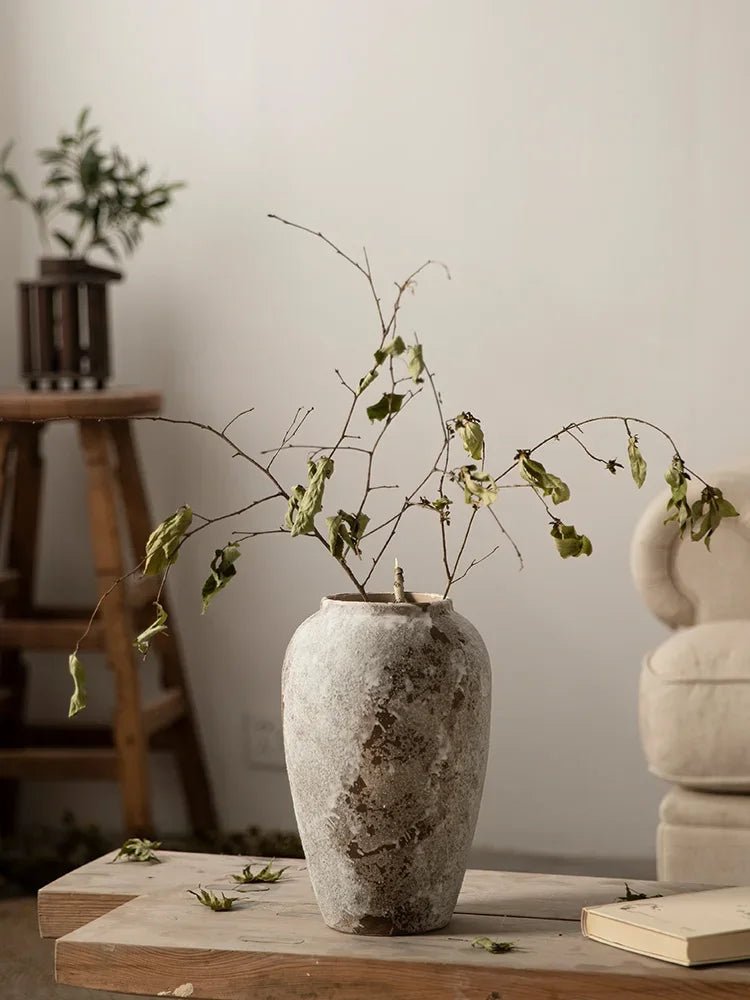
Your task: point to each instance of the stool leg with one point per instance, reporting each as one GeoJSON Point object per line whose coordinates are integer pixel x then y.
{"type": "Point", "coordinates": [22, 506]}
{"type": "Point", "coordinates": [183, 735]}
{"type": "Point", "coordinates": [130, 737]}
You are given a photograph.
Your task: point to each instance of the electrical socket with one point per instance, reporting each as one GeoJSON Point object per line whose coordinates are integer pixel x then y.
{"type": "Point", "coordinates": [263, 743]}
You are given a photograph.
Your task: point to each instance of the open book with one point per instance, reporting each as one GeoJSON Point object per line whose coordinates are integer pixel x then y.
{"type": "Point", "coordinates": [693, 928]}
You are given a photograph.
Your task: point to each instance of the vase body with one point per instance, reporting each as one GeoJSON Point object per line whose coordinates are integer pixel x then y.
{"type": "Point", "coordinates": [386, 731]}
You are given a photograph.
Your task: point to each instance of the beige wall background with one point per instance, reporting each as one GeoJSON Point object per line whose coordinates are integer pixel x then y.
{"type": "Point", "coordinates": [581, 166]}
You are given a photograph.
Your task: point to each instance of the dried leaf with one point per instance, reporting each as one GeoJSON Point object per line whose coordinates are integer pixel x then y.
{"type": "Point", "coordinates": [391, 350]}
{"type": "Point", "coordinates": [480, 489]}
{"type": "Point", "coordinates": [638, 467]}
{"type": "Point", "coordinates": [415, 362]}
{"type": "Point", "coordinates": [471, 434]}
{"type": "Point", "coordinates": [219, 903]}
{"type": "Point", "coordinates": [137, 849]}
{"type": "Point", "coordinates": [631, 896]}
{"type": "Point", "coordinates": [267, 874]}
{"type": "Point", "coordinates": [388, 405]}
{"type": "Point", "coordinates": [569, 543]}
{"type": "Point", "coordinates": [306, 503]}
{"type": "Point", "coordinates": [222, 571]}
{"type": "Point", "coordinates": [495, 947]}
{"type": "Point", "coordinates": [707, 513]}
{"type": "Point", "coordinates": [545, 482]}
{"type": "Point", "coordinates": [78, 698]}
{"type": "Point", "coordinates": [345, 532]}
{"type": "Point", "coordinates": [366, 380]}
{"type": "Point", "coordinates": [157, 627]}
{"type": "Point", "coordinates": [163, 545]}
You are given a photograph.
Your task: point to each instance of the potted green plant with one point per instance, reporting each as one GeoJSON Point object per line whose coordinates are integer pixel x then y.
{"type": "Point", "coordinates": [92, 200]}
{"type": "Point", "coordinates": [387, 695]}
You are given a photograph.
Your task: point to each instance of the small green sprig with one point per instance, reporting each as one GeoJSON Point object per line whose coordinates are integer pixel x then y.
{"type": "Point", "coordinates": [137, 849]}
{"type": "Point", "coordinates": [631, 896]}
{"type": "Point", "coordinates": [219, 903]}
{"type": "Point", "coordinates": [495, 947]}
{"type": "Point", "coordinates": [266, 874]}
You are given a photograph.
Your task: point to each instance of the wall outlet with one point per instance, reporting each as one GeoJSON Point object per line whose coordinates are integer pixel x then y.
{"type": "Point", "coordinates": [263, 742]}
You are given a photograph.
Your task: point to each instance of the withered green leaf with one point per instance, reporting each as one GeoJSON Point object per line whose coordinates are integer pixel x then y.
{"type": "Point", "coordinates": [707, 513]}
{"type": "Point", "coordinates": [78, 698]}
{"type": "Point", "coordinates": [366, 380]}
{"type": "Point", "coordinates": [222, 571]}
{"type": "Point", "coordinates": [471, 434]}
{"type": "Point", "coordinates": [388, 404]}
{"type": "Point", "coordinates": [157, 627]}
{"type": "Point", "coordinates": [306, 502]}
{"type": "Point", "coordinates": [678, 507]}
{"type": "Point", "coordinates": [569, 543]}
{"type": "Point", "coordinates": [391, 350]}
{"type": "Point", "coordinates": [415, 362]}
{"type": "Point", "coordinates": [480, 489]}
{"type": "Point", "coordinates": [545, 482]}
{"type": "Point", "coordinates": [638, 467]}
{"type": "Point", "coordinates": [266, 874]}
{"type": "Point", "coordinates": [494, 947]}
{"type": "Point", "coordinates": [345, 532]}
{"type": "Point", "coordinates": [218, 902]}
{"type": "Point", "coordinates": [163, 545]}
{"type": "Point", "coordinates": [137, 849]}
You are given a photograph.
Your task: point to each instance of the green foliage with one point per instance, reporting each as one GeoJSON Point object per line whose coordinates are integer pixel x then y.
{"type": "Point", "coordinates": [163, 545]}
{"type": "Point", "coordinates": [387, 406]}
{"type": "Point", "coordinates": [544, 482]}
{"type": "Point", "coordinates": [266, 874]}
{"type": "Point", "coordinates": [78, 698]}
{"type": "Point", "coordinates": [137, 849]}
{"type": "Point", "coordinates": [480, 489]}
{"type": "Point", "coordinates": [345, 532]}
{"type": "Point", "coordinates": [494, 947]}
{"type": "Point", "coordinates": [471, 434]}
{"type": "Point", "coordinates": [569, 543]}
{"type": "Point", "coordinates": [638, 467]}
{"type": "Point", "coordinates": [103, 198]}
{"type": "Point", "coordinates": [218, 902]}
{"type": "Point", "coordinates": [707, 513]}
{"type": "Point", "coordinates": [222, 571]}
{"type": "Point", "coordinates": [306, 502]}
{"type": "Point", "coordinates": [157, 627]}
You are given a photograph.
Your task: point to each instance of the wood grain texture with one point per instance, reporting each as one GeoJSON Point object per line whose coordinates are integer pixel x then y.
{"type": "Point", "coordinates": [130, 735]}
{"type": "Point", "coordinates": [483, 892]}
{"type": "Point", "coordinates": [268, 947]}
{"type": "Point", "coordinates": [101, 886]}
{"type": "Point", "coordinates": [79, 405]}
{"type": "Point", "coordinates": [182, 736]}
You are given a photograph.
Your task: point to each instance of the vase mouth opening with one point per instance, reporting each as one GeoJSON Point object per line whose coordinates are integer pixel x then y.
{"type": "Point", "coordinates": [414, 602]}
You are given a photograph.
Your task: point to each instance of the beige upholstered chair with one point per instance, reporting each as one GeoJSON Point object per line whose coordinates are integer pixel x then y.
{"type": "Point", "coordinates": [695, 689]}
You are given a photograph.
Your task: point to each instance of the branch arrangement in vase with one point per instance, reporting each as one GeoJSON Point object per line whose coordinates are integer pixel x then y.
{"type": "Point", "coordinates": [395, 376]}
{"type": "Point", "coordinates": [91, 198]}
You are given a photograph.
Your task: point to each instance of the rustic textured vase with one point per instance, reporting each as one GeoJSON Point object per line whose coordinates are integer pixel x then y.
{"type": "Point", "coordinates": [386, 729]}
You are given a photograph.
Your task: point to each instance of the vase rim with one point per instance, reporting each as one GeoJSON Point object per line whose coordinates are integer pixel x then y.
{"type": "Point", "coordinates": [415, 602]}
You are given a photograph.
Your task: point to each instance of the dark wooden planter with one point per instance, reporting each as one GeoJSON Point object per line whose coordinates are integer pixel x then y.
{"type": "Point", "coordinates": [64, 326]}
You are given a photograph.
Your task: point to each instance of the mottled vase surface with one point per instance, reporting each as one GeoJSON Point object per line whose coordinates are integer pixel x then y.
{"type": "Point", "coordinates": [386, 730]}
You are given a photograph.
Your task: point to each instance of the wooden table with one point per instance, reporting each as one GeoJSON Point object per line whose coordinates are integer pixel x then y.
{"type": "Point", "coordinates": [133, 928]}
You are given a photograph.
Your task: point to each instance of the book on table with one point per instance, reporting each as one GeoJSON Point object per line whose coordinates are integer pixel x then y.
{"type": "Point", "coordinates": [694, 928]}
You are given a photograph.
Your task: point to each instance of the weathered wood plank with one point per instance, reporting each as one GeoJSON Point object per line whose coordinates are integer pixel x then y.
{"type": "Point", "coordinates": [99, 887]}
{"type": "Point", "coordinates": [267, 948]}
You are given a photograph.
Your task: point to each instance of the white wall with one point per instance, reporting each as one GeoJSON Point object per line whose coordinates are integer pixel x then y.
{"type": "Point", "coordinates": [581, 166]}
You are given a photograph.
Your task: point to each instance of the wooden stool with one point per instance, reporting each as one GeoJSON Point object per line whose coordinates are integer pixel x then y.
{"type": "Point", "coordinates": [67, 751]}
